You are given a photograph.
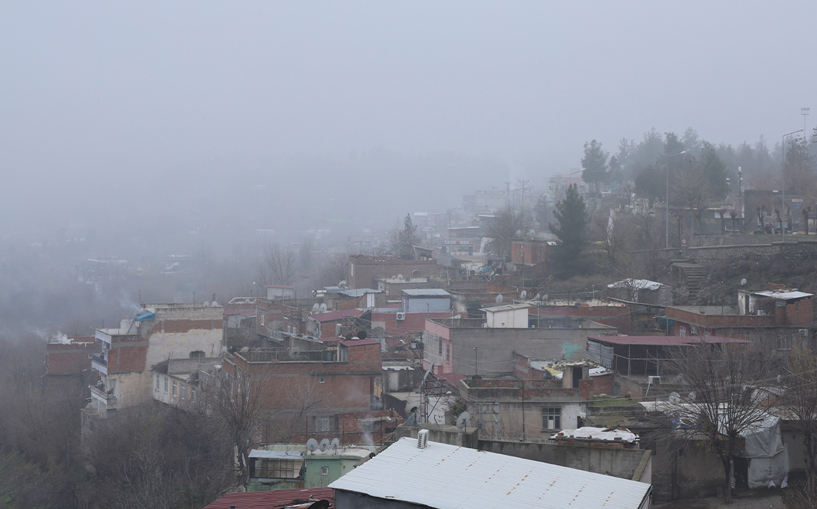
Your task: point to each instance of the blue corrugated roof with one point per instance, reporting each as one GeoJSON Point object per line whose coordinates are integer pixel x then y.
{"type": "Point", "coordinates": [145, 316]}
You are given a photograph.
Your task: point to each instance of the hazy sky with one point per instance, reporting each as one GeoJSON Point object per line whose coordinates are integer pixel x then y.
{"type": "Point", "coordinates": [91, 88]}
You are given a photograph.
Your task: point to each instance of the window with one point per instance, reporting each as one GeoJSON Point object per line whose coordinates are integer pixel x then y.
{"type": "Point", "coordinates": [324, 470]}
{"type": "Point", "coordinates": [184, 391]}
{"type": "Point", "coordinates": [784, 342]}
{"type": "Point", "coordinates": [447, 354]}
{"type": "Point", "coordinates": [552, 418]}
{"type": "Point", "coordinates": [322, 379]}
{"type": "Point", "coordinates": [197, 354]}
{"type": "Point", "coordinates": [174, 388]}
{"type": "Point", "coordinates": [157, 382]}
{"type": "Point", "coordinates": [279, 469]}
{"type": "Point", "coordinates": [192, 394]}
{"type": "Point", "coordinates": [440, 347]}
{"type": "Point", "coordinates": [321, 424]}
{"type": "Point", "coordinates": [165, 384]}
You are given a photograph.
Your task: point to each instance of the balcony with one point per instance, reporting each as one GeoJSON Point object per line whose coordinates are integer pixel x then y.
{"type": "Point", "coordinates": [99, 394]}
{"type": "Point", "coordinates": [99, 363]}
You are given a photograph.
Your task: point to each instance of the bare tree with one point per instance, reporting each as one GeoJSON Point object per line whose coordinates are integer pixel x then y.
{"type": "Point", "coordinates": [507, 225]}
{"type": "Point", "coordinates": [800, 401]}
{"type": "Point", "coordinates": [692, 191]}
{"type": "Point", "coordinates": [279, 266]}
{"type": "Point", "coordinates": [335, 269]}
{"type": "Point", "coordinates": [235, 405]}
{"type": "Point", "coordinates": [723, 401]}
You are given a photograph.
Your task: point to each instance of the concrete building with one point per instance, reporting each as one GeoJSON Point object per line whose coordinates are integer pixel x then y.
{"type": "Point", "coordinates": [418, 473]}
{"type": "Point", "coordinates": [467, 347]}
{"type": "Point", "coordinates": [508, 316]}
{"type": "Point", "coordinates": [176, 381]}
{"type": "Point", "coordinates": [160, 332]}
{"type": "Point", "coordinates": [426, 300]}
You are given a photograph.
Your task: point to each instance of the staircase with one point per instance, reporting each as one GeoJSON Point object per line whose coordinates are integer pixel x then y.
{"type": "Point", "coordinates": [694, 276]}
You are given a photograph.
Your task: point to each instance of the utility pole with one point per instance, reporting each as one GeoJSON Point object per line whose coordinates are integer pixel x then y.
{"type": "Point", "coordinates": [804, 112]}
{"type": "Point", "coordinates": [783, 169]}
{"type": "Point", "coordinates": [476, 361]}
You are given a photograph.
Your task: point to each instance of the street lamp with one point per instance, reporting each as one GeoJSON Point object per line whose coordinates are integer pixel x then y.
{"type": "Point", "coordinates": [666, 215]}
{"type": "Point", "coordinates": [783, 169]}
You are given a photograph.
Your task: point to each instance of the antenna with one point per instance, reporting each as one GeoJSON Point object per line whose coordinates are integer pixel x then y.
{"type": "Point", "coordinates": [324, 444]}
{"type": "Point", "coordinates": [499, 299]}
{"type": "Point", "coordinates": [311, 445]}
{"type": "Point", "coordinates": [334, 444]}
{"type": "Point", "coordinates": [743, 282]}
{"type": "Point", "coordinates": [322, 308]}
{"type": "Point", "coordinates": [316, 308]}
{"type": "Point", "coordinates": [294, 352]}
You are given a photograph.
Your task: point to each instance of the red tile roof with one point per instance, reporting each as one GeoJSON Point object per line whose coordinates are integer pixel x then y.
{"type": "Point", "coordinates": [664, 340]}
{"type": "Point", "coordinates": [272, 499]}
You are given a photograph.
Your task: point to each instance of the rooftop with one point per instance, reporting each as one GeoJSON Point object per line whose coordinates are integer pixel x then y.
{"type": "Point", "coordinates": [427, 292]}
{"type": "Point", "coordinates": [784, 294]}
{"type": "Point", "coordinates": [665, 340]}
{"type": "Point", "coordinates": [337, 315]}
{"type": "Point", "coordinates": [273, 499]}
{"type": "Point", "coordinates": [447, 476]}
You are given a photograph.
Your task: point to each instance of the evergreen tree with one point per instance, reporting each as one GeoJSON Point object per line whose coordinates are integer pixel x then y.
{"type": "Point", "coordinates": [714, 170]}
{"type": "Point", "coordinates": [406, 239]}
{"type": "Point", "coordinates": [571, 230]}
{"type": "Point", "coordinates": [594, 163]}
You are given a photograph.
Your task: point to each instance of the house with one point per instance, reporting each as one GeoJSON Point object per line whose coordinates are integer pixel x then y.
{"type": "Point", "coordinates": [393, 286]}
{"type": "Point", "coordinates": [176, 381]}
{"type": "Point", "coordinates": [284, 466]}
{"type": "Point", "coordinates": [466, 347]}
{"type": "Point", "coordinates": [335, 323]}
{"type": "Point", "coordinates": [551, 312]}
{"type": "Point", "coordinates": [419, 473]}
{"type": "Point", "coordinates": [637, 360]}
{"type": "Point", "coordinates": [531, 252]}
{"type": "Point", "coordinates": [364, 271]}
{"type": "Point", "coordinates": [315, 391]}
{"type": "Point", "coordinates": [426, 300]}
{"type": "Point", "coordinates": [777, 317]}
{"type": "Point", "coordinates": [159, 332]}
{"type": "Point", "coordinates": [529, 409]}
{"type": "Point", "coordinates": [642, 291]}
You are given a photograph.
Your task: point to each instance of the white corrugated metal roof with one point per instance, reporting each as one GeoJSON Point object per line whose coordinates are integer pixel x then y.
{"type": "Point", "coordinates": [448, 477]}
{"type": "Point", "coordinates": [784, 294]}
{"type": "Point", "coordinates": [427, 292]}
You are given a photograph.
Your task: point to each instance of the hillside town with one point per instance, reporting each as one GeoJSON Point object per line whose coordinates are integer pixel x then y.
{"type": "Point", "coordinates": [439, 342]}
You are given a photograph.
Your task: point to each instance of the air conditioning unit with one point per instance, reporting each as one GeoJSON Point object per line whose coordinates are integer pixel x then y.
{"type": "Point", "coordinates": [654, 380]}
{"type": "Point", "coordinates": [422, 439]}
{"type": "Point", "coordinates": [401, 317]}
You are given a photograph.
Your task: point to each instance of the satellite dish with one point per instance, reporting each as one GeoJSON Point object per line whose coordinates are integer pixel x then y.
{"type": "Point", "coordinates": [223, 350]}
{"type": "Point", "coordinates": [400, 277]}
{"type": "Point", "coordinates": [743, 282]}
{"type": "Point", "coordinates": [214, 304]}
{"type": "Point", "coordinates": [518, 233]}
{"type": "Point", "coordinates": [294, 352]}
{"type": "Point", "coordinates": [334, 444]}
{"type": "Point", "coordinates": [692, 396]}
{"type": "Point", "coordinates": [523, 295]}
{"type": "Point", "coordinates": [311, 445]}
{"type": "Point", "coordinates": [674, 398]}
{"type": "Point", "coordinates": [245, 349]}
{"type": "Point", "coordinates": [342, 283]}
{"type": "Point", "coordinates": [322, 308]}
{"type": "Point", "coordinates": [316, 308]}
{"type": "Point", "coordinates": [324, 444]}
{"type": "Point", "coordinates": [532, 232]}
{"type": "Point", "coordinates": [206, 304]}
{"type": "Point", "coordinates": [538, 297]}
{"type": "Point", "coordinates": [464, 420]}
{"type": "Point", "coordinates": [499, 299]}
{"type": "Point", "coordinates": [361, 334]}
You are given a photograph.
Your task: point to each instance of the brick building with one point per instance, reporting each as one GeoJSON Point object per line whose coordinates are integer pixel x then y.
{"type": "Point", "coordinates": [364, 271]}
{"type": "Point", "coordinates": [777, 317]}
{"type": "Point", "coordinates": [327, 325]}
{"type": "Point", "coordinates": [160, 332]}
{"type": "Point", "coordinates": [322, 390]}
{"type": "Point", "coordinates": [67, 363]}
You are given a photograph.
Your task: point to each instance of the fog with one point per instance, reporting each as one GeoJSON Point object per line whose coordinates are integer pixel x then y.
{"type": "Point", "coordinates": [149, 129]}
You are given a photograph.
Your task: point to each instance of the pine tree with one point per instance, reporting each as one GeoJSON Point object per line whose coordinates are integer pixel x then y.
{"type": "Point", "coordinates": [571, 214]}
